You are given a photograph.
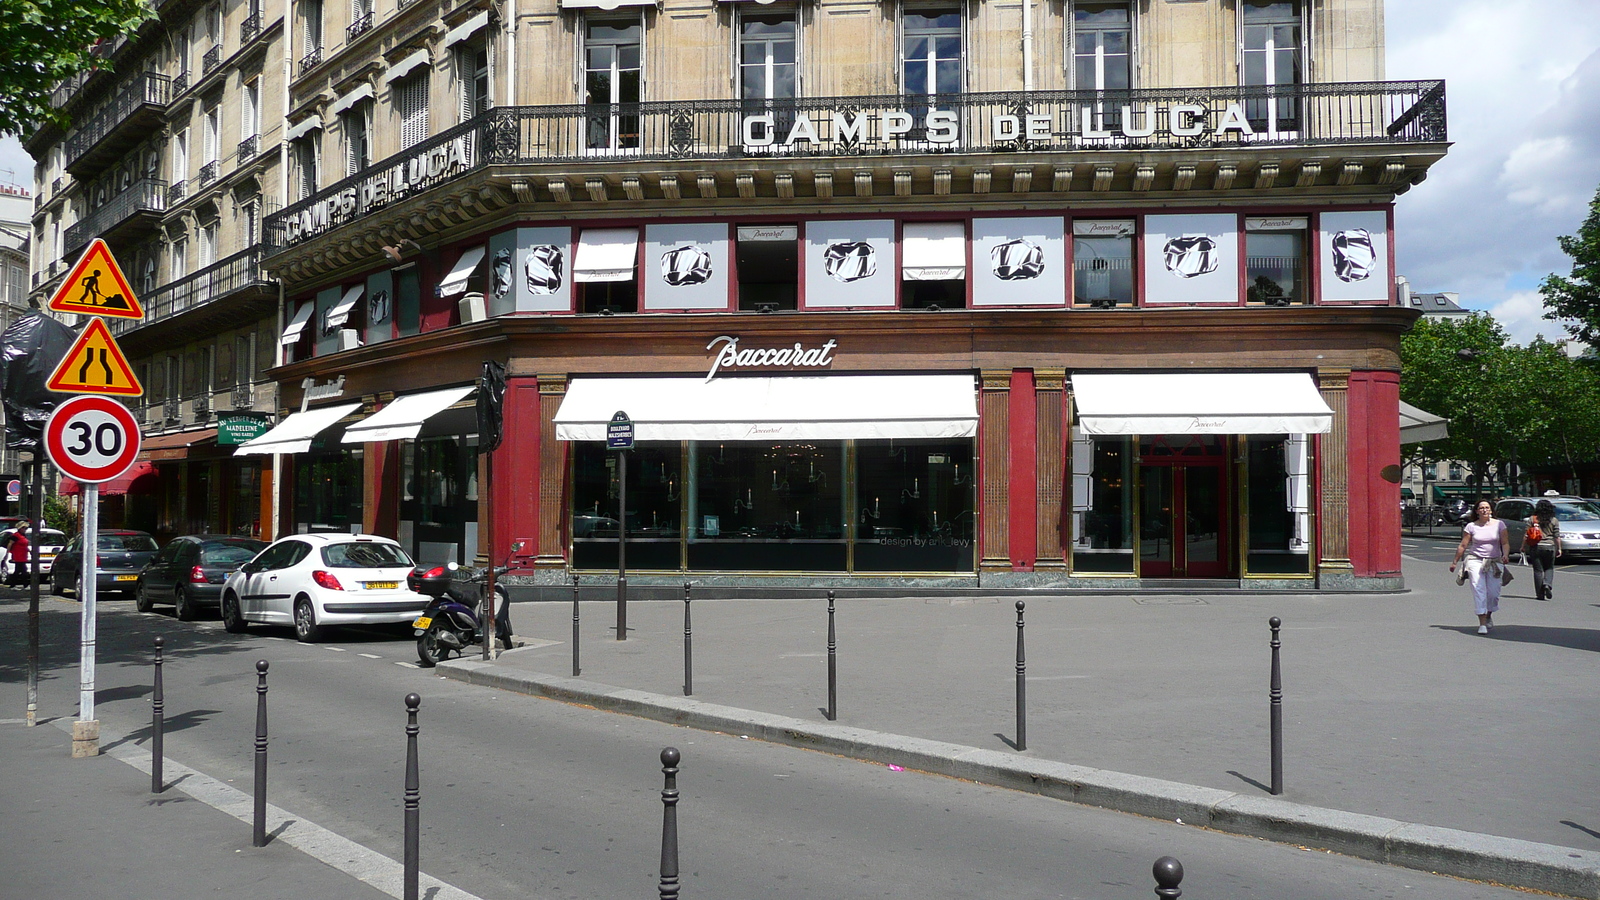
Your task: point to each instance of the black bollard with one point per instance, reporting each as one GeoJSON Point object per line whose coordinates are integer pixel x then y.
{"type": "Point", "coordinates": [669, 825]}
{"type": "Point", "coordinates": [259, 838]}
{"type": "Point", "coordinates": [413, 800]}
{"type": "Point", "coordinates": [158, 708]}
{"type": "Point", "coordinates": [1276, 704]}
{"type": "Point", "coordinates": [833, 666]}
{"type": "Point", "coordinates": [576, 669]}
{"type": "Point", "coordinates": [688, 646]}
{"type": "Point", "coordinates": [1168, 872]}
{"type": "Point", "coordinates": [1022, 686]}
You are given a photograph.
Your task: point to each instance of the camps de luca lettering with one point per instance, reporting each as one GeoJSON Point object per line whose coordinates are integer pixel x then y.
{"type": "Point", "coordinates": [383, 187]}
{"type": "Point", "coordinates": [730, 356]}
{"type": "Point", "coordinates": [943, 126]}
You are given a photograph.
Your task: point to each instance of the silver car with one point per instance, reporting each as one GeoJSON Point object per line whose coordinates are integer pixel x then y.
{"type": "Point", "coordinates": [1579, 522]}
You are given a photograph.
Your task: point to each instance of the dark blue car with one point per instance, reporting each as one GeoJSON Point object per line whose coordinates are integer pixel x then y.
{"type": "Point", "coordinates": [189, 572]}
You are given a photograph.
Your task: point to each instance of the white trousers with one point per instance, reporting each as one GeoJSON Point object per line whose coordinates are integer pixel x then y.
{"type": "Point", "coordinates": [1485, 579]}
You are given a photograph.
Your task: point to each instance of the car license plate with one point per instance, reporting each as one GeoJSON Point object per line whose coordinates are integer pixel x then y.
{"type": "Point", "coordinates": [47, 556]}
{"type": "Point", "coordinates": [422, 622]}
{"type": "Point", "coordinates": [127, 578]}
{"type": "Point", "coordinates": [380, 585]}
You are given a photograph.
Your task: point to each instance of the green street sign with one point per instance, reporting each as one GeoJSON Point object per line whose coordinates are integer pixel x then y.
{"type": "Point", "coordinates": [234, 429]}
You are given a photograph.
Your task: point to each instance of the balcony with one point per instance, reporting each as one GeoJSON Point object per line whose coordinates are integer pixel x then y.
{"type": "Point", "coordinates": [133, 213]}
{"type": "Point", "coordinates": [211, 60]}
{"type": "Point", "coordinates": [248, 148]}
{"type": "Point", "coordinates": [360, 26]}
{"type": "Point", "coordinates": [311, 60]}
{"type": "Point", "coordinates": [1046, 141]}
{"type": "Point", "coordinates": [131, 117]}
{"type": "Point", "coordinates": [180, 83]}
{"type": "Point", "coordinates": [209, 172]}
{"type": "Point", "coordinates": [244, 395]}
{"type": "Point", "coordinates": [172, 412]}
{"type": "Point", "coordinates": [249, 28]}
{"type": "Point", "coordinates": [180, 308]}
{"type": "Point", "coordinates": [176, 192]}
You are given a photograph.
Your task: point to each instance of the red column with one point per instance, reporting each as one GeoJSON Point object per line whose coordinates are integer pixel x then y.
{"type": "Point", "coordinates": [1373, 444]}
{"type": "Point", "coordinates": [1022, 486]}
{"type": "Point", "coordinates": [516, 469]}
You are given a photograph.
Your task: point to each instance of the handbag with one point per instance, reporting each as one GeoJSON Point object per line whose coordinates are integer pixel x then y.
{"type": "Point", "coordinates": [1534, 535]}
{"type": "Point", "coordinates": [1505, 575]}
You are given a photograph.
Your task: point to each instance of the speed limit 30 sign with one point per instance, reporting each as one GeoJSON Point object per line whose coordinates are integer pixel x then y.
{"type": "Point", "coordinates": [92, 438]}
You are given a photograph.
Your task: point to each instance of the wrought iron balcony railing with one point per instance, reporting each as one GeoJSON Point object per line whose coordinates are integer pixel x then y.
{"type": "Point", "coordinates": [249, 28]}
{"type": "Point", "coordinates": [311, 60]}
{"type": "Point", "coordinates": [244, 395]}
{"type": "Point", "coordinates": [180, 82]}
{"type": "Point", "coordinates": [146, 89]}
{"type": "Point", "coordinates": [211, 60]}
{"type": "Point", "coordinates": [214, 282]}
{"type": "Point", "coordinates": [1206, 119]}
{"type": "Point", "coordinates": [248, 148]}
{"type": "Point", "coordinates": [176, 192]}
{"type": "Point", "coordinates": [209, 172]}
{"type": "Point", "coordinates": [172, 411]}
{"type": "Point", "coordinates": [144, 195]}
{"type": "Point", "coordinates": [55, 186]}
{"type": "Point", "coordinates": [202, 407]}
{"type": "Point", "coordinates": [360, 26]}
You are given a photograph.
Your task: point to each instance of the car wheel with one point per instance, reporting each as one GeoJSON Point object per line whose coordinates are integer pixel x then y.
{"type": "Point", "coordinates": [181, 605]}
{"type": "Point", "coordinates": [306, 629]}
{"type": "Point", "coordinates": [232, 619]}
{"type": "Point", "coordinates": [141, 599]}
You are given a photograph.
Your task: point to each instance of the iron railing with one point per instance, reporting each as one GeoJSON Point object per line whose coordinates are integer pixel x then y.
{"type": "Point", "coordinates": [1384, 113]}
{"type": "Point", "coordinates": [214, 282]}
{"type": "Point", "coordinates": [248, 148]}
{"type": "Point", "coordinates": [209, 172]}
{"type": "Point", "coordinates": [55, 186]}
{"type": "Point", "coordinates": [360, 26]}
{"type": "Point", "coordinates": [249, 28]}
{"type": "Point", "coordinates": [144, 195]}
{"type": "Point", "coordinates": [176, 192]}
{"type": "Point", "coordinates": [172, 411]}
{"type": "Point", "coordinates": [202, 407]}
{"type": "Point", "coordinates": [180, 82]}
{"type": "Point", "coordinates": [311, 60]}
{"type": "Point", "coordinates": [146, 89]}
{"type": "Point", "coordinates": [244, 395]}
{"type": "Point", "coordinates": [211, 60]}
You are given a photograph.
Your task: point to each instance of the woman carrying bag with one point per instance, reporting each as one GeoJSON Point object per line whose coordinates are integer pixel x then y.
{"type": "Point", "coordinates": [1486, 545]}
{"type": "Point", "coordinates": [1541, 544]}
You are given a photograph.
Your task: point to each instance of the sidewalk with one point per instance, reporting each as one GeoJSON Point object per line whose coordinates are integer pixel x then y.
{"type": "Point", "coordinates": [72, 823]}
{"type": "Point", "coordinates": [1394, 708]}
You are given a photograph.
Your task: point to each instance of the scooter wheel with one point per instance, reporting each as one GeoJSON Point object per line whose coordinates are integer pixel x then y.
{"type": "Point", "coordinates": [429, 650]}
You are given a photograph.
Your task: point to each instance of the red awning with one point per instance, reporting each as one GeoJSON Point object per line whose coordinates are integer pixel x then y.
{"type": "Point", "coordinates": [139, 479]}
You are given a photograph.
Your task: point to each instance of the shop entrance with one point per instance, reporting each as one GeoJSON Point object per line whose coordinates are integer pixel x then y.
{"type": "Point", "coordinates": [1185, 520]}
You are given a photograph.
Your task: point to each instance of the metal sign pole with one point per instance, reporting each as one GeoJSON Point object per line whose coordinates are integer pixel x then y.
{"type": "Point", "coordinates": [33, 601]}
{"type": "Point", "coordinates": [622, 545]}
{"type": "Point", "coordinates": [86, 734]}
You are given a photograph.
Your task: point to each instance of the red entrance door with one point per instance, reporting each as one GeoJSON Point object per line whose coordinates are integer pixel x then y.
{"type": "Point", "coordinates": [1185, 519]}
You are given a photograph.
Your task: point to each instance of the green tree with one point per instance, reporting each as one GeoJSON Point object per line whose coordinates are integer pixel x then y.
{"type": "Point", "coordinates": [1458, 369]}
{"type": "Point", "coordinates": [45, 41]}
{"type": "Point", "coordinates": [1575, 301]}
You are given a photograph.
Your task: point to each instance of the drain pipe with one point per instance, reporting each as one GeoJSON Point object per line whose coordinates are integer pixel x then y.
{"type": "Point", "coordinates": [1027, 45]}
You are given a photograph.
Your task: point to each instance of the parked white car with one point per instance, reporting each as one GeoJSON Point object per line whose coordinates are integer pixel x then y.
{"type": "Point", "coordinates": [313, 581]}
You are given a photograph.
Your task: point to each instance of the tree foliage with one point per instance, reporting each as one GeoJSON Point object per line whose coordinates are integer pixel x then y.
{"type": "Point", "coordinates": [45, 41]}
{"type": "Point", "coordinates": [1574, 301]}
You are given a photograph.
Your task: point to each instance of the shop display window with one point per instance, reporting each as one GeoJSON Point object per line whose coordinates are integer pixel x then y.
{"type": "Point", "coordinates": [654, 495]}
{"type": "Point", "coordinates": [407, 300]}
{"type": "Point", "coordinates": [1102, 264]}
{"type": "Point", "coordinates": [1278, 502]}
{"type": "Point", "coordinates": [768, 259]}
{"type": "Point", "coordinates": [327, 486]}
{"type": "Point", "coordinates": [439, 496]}
{"type": "Point", "coordinates": [915, 506]}
{"type": "Point", "coordinates": [1102, 505]}
{"type": "Point", "coordinates": [1275, 261]}
{"type": "Point", "coordinates": [768, 507]}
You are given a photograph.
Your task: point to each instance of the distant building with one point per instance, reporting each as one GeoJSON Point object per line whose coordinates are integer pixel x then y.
{"type": "Point", "coordinates": [16, 212]}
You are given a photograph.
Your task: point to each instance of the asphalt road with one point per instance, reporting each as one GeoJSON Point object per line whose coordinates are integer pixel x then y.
{"type": "Point", "coordinates": [532, 798]}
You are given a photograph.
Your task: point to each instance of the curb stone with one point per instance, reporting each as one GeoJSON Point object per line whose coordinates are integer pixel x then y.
{"type": "Point", "coordinates": [1446, 851]}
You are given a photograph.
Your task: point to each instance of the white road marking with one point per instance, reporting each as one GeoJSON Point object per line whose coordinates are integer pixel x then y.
{"type": "Point", "coordinates": [408, 665]}
{"type": "Point", "coordinates": [335, 649]}
{"type": "Point", "coordinates": [370, 655]}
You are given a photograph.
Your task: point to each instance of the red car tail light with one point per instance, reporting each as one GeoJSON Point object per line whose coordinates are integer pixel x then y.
{"type": "Point", "coordinates": [326, 579]}
{"type": "Point", "coordinates": [197, 575]}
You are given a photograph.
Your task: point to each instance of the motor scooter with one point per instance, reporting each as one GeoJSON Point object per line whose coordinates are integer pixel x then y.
{"type": "Point", "coordinates": [450, 623]}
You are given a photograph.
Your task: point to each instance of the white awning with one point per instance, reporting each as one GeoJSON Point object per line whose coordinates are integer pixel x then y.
{"type": "Point", "coordinates": [604, 4]}
{"type": "Point", "coordinates": [466, 29]}
{"type": "Point", "coordinates": [302, 128]}
{"type": "Point", "coordinates": [340, 313]}
{"type": "Point", "coordinates": [361, 93]}
{"type": "Point", "coordinates": [291, 334]}
{"type": "Point", "coordinates": [934, 251]}
{"type": "Point", "coordinates": [456, 281]}
{"type": "Point", "coordinates": [1417, 426]}
{"type": "Point", "coordinates": [606, 254]}
{"type": "Point", "coordinates": [826, 407]}
{"type": "Point", "coordinates": [402, 419]}
{"type": "Point", "coordinates": [295, 433]}
{"type": "Point", "coordinates": [403, 68]}
{"type": "Point", "coordinates": [1201, 403]}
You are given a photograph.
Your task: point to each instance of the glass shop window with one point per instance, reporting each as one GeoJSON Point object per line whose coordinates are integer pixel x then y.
{"type": "Point", "coordinates": [1102, 505]}
{"type": "Point", "coordinates": [1279, 505]}
{"type": "Point", "coordinates": [1102, 263]}
{"type": "Point", "coordinates": [915, 502]}
{"type": "Point", "coordinates": [327, 486]}
{"type": "Point", "coordinates": [933, 265]}
{"type": "Point", "coordinates": [1275, 261]}
{"type": "Point", "coordinates": [606, 270]}
{"type": "Point", "coordinates": [768, 507]}
{"type": "Point", "coordinates": [655, 491]}
{"type": "Point", "coordinates": [768, 260]}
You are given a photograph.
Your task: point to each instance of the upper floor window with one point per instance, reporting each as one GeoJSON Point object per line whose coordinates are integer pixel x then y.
{"type": "Point", "coordinates": [213, 134]}
{"type": "Point", "coordinates": [180, 156]}
{"type": "Point", "coordinates": [612, 75]}
{"type": "Point", "coordinates": [1271, 51]}
{"type": "Point", "coordinates": [472, 64]}
{"type": "Point", "coordinates": [1102, 263]}
{"type": "Point", "coordinates": [1102, 47]}
{"type": "Point", "coordinates": [411, 102]}
{"type": "Point", "coordinates": [1275, 260]}
{"type": "Point", "coordinates": [311, 22]}
{"type": "Point", "coordinates": [767, 56]}
{"type": "Point", "coordinates": [250, 111]}
{"type": "Point", "coordinates": [305, 154]}
{"type": "Point", "coordinates": [208, 244]}
{"type": "Point", "coordinates": [250, 224]}
{"type": "Point", "coordinates": [931, 51]}
{"type": "Point", "coordinates": [180, 259]}
{"type": "Point", "coordinates": [357, 137]}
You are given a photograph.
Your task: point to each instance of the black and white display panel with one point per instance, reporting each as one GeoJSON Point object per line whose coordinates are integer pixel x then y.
{"type": "Point", "coordinates": [1019, 261]}
{"type": "Point", "coordinates": [686, 266]}
{"type": "Point", "coordinates": [325, 335]}
{"type": "Point", "coordinates": [379, 322]}
{"type": "Point", "coordinates": [530, 270]}
{"type": "Point", "coordinates": [850, 264]}
{"type": "Point", "coordinates": [1354, 248]}
{"type": "Point", "coordinates": [1191, 258]}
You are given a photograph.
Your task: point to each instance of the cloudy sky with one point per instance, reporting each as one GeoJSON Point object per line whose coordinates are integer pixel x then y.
{"type": "Point", "coordinates": [1523, 82]}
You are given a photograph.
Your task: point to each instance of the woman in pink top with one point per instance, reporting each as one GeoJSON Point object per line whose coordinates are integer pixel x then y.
{"type": "Point", "coordinates": [1486, 547]}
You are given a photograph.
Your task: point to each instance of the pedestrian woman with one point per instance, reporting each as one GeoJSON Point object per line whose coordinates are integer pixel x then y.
{"type": "Point", "coordinates": [19, 555]}
{"type": "Point", "coordinates": [1486, 545]}
{"type": "Point", "coordinates": [1541, 544]}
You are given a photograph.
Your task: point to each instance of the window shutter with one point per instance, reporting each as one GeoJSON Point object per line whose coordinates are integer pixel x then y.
{"type": "Point", "coordinates": [247, 123]}
{"type": "Point", "coordinates": [414, 111]}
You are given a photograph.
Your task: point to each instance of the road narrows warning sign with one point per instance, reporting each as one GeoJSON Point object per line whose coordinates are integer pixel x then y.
{"type": "Point", "coordinates": [95, 365]}
{"type": "Point", "coordinates": [96, 287]}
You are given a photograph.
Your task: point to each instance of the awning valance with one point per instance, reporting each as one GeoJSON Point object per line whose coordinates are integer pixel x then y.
{"type": "Point", "coordinates": [139, 479]}
{"type": "Point", "coordinates": [340, 313]}
{"type": "Point", "coordinates": [827, 407]}
{"type": "Point", "coordinates": [934, 251]}
{"type": "Point", "coordinates": [456, 281]}
{"type": "Point", "coordinates": [302, 128]}
{"type": "Point", "coordinates": [175, 446]}
{"type": "Point", "coordinates": [403, 419]}
{"type": "Point", "coordinates": [606, 254]}
{"type": "Point", "coordinates": [291, 334]}
{"type": "Point", "coordinates": [295, 433]}
{"type": "Point", "coordinates": [1200, 403]}
{"type": "Point", "coordinates": [1417, 426]}
{"type": "Point", "coordinates": [404, 67]}
{"type": "Point", "coordinates": [364, 92]}
{"type": "Point", "coordinates": [466, 29]}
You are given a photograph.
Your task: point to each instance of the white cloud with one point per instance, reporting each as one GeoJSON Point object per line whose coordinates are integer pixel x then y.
{"type": "Point", "coordinates": [1522, 316]}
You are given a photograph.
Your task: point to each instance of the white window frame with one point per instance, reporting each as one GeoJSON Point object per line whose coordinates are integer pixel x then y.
{"type": "Point", "coordinates": [180, 156]}
{"type": "Point", "coordinates": [250, 218]}
{"type": "Point", "coordinates": [613, 144]}
{"type": "Point", "coordinates": [311, 33]}
{"type": "Point", "coordinates": [901, 11]}
{"type": "Point", "coordinates": [467, 78]}
{"type": "Point", "coordinates": [212, 131]}
{"type": "Point", "coordinates": [250, 110]}
{"type": "Point", "coordinates": [1303, 19]}
{"type": "Point", "coordinates": [770, 67]}
{"type": "Point", "coordinates": [1071, 54]}
{"type": "Point", "coordinates": [180, 258]}
{"type": "Point", "coordinates": [308, 163]}
{"type": "Point", "coordinates": [208, 244]}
